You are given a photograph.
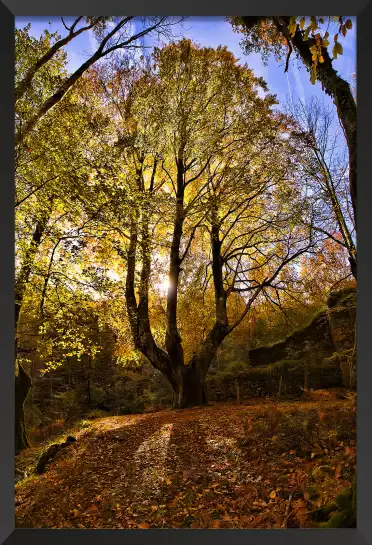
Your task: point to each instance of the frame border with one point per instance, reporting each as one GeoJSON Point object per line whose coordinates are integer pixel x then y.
{"type": "Point", "coordinates": [8, 535]}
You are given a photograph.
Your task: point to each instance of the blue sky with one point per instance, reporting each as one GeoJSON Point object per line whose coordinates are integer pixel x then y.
{"type": "Point", "coordinates": [214, 31]}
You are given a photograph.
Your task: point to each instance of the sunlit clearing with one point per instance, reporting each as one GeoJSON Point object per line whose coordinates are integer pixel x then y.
{"type": "Point", "coordinates": [163, 286]}
{"type": "Point", "coordinates": [157, 442]}
{"type": "Point", "coordinates": [113, 275]}
{"type": "Point", "coordinates": [152, 455]}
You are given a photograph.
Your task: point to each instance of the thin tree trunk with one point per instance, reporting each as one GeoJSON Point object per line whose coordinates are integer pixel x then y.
{"type": "Point", "coordinates": [26, 82]}
{"type": "Point", "coordinates": [22, 388]}
{"type": "Point", "coordinates": [332, 84]}
{"type": "Point", "coordinates": [88, 381]}
{"type": "Point", "coordinates": [70, 81]}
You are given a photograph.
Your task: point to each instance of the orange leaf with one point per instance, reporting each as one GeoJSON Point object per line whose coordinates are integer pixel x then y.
{"type": "Point", "coordinates": [143, 525]}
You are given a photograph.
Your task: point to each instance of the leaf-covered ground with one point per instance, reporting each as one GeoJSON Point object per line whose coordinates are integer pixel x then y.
{"type": "Point", "coordinates": [258, 465]}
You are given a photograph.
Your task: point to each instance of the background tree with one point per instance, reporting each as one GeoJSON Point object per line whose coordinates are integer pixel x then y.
{"type": "Point", "coordinates": [308, 38]}
{"type": "Point", "coordinates": [324, 174]}
{"type": "Point", "coordinates": [120, 35]}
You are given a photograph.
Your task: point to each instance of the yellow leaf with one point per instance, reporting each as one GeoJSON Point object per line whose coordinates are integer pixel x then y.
{"type": "Point", "coordinates": [321, 59]}
{"type": "Point", "coordinates": [273, 494]}
{"type": "Point", "coordinates": [168, 481]}
{"type": "Point", "coordinates": [302, 22]}
{"type": "Point", "coordinates": [75, 512]}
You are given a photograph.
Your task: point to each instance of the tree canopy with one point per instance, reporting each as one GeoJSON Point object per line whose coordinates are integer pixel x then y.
{"type": "Point", "coordinates": [166, 200]}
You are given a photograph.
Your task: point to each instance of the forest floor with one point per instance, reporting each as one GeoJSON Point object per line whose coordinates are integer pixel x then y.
{"type": "Point", "coordinates": [254, 465]}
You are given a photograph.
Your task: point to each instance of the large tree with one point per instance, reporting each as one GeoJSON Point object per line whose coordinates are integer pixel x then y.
{"type": "Point", "coordinates": [208, 163]}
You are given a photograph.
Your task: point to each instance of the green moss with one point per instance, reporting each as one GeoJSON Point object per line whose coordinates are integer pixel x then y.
{"type": "Point", "coordinates": [344, 519]}
{"type": "Point", "coordinates": [337, 297]}
{"type": "Point", "coordinates": [343, 500]}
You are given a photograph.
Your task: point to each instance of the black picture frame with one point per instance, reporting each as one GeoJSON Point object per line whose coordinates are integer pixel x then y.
{"type": "Point", "coordinates": [8, 534]}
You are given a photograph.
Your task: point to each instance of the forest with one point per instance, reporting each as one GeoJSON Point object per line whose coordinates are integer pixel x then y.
{"type": "Point", "coordinates": [185, 277]}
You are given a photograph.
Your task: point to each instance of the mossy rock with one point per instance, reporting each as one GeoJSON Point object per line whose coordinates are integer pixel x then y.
{"type": "Point", "coordinates": [344, 499]}
{"type": "Point", "coordinates": [337, 297]}
{"type": "Point", "coordinates": [313, 493]}
{"type": "Point", "coordinates": [343, 509]}
{"type": "Point", "coordinates": [322, 514]}
{"type": "Point", "coordinates": [344, 519]}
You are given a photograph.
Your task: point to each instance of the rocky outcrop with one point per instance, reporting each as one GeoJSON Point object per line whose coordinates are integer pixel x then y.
{"type": "Point", "coordinates": [285, 378]}
{"type": "Point", "coordinates": [331, 331]}
{"type": "Point", "coordinates": [321, 355]}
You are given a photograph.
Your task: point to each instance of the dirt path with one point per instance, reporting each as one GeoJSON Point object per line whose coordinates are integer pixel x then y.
{"type": "Point", "coordinates": [223, 466]}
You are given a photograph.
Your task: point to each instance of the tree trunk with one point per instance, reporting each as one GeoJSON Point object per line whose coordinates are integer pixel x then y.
{"type": "Point", "coordinates": [337, 88]}
{"type": "Point", "coordinates": [22, 387]}
{"type": "Point", "coordinates": [189, 388]}
{"type": "Point", "coordinates": [331, 82]}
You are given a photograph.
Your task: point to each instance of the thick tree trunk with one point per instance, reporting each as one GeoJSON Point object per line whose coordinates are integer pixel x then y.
{"type": "Point", "coordinates": [22, 387]}
{"type": "Point", "coordinates": [189, 388]}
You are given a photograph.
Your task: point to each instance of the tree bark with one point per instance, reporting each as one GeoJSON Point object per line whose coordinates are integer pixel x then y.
{"type": "Point", "coordinates": [190, 389]}
{"type": "Point", "coordinates": [173, 339]}
{"type": "Point", "coordinates": [23, 380]}
{"type": "Point", "coordinates": [22, 388]}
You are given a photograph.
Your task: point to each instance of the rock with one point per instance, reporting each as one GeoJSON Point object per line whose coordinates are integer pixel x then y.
{"type": "Point", "coordinates": [343, 500]}
{"type": "Point", "coordinates": [344, 519]}
{"type": "Point", "coordinates": [48, 455]}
